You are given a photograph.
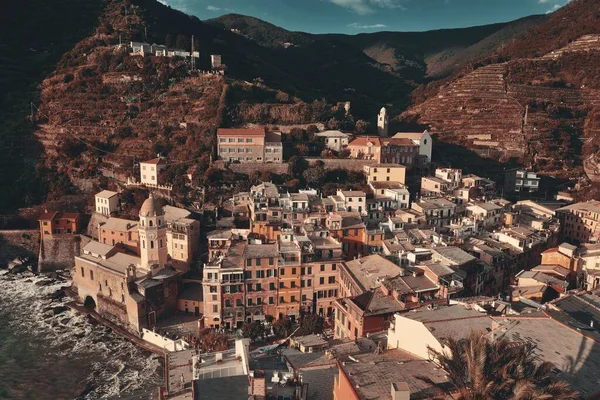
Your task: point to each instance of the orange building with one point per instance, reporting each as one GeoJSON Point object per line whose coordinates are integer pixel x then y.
{"type": "Point", "coordinates": [58, 223]}
{"type": "Point", "coordinates": [348, 228]}
{"type": "Point", "coordinates": [289, 280]}
{"type": "Point", "coordinates": [119, 230]}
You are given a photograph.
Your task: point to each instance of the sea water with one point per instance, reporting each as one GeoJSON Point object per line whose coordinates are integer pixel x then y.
{"type": "Point", "coordinates": [65, 356]}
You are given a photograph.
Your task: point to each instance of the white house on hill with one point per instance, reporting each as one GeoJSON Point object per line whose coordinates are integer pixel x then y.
{"type": "Point", "coordinates": [423, 140]}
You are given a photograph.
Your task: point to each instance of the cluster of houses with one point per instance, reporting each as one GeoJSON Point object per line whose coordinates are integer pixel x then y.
{"type": "Point", "coordinates": [393, 273]}
{"type": "Point", "coordinates": [159, 50]}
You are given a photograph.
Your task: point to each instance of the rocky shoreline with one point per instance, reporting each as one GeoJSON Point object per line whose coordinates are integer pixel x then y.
{"type": "Point", "coordinates": [74, 355]}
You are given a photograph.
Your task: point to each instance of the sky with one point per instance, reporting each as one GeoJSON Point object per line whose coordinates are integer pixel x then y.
{"type": "Point", "coordinates": [355, 16]}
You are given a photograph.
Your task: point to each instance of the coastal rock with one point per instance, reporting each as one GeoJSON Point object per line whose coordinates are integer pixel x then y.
{"type": "Point", "coordinates": [45, 282]}
{"type": "Point", "coordinates": [58, 295]}
{"type": "Point", "coordinates": [59, 310]}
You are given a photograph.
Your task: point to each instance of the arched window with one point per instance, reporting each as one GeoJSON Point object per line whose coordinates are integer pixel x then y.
{"type": "Point", "coordinates": [143, 244]}
{"type": "Point", "coordinates": [150, 223]}
{"type": "Point", "coordinates": [424, 141]}
{"type": "Point", "coordinates": [142, 222]}
{"type": "Point", "coordinates": [152, 244]}
{"type": "Point", "coordinates": [161, 245]}
{"type": "Point", "coordinates": [159, 222]}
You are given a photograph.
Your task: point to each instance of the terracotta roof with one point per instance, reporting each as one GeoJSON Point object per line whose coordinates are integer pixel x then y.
{"type": "Point", "coordinates": [241, 132]}
{"type": "Point", "coordinates": [47, 216]}
{"type": "Point", "coordinates": [409, 135]}
{"type": "Point", "coordinates": [156, 161]}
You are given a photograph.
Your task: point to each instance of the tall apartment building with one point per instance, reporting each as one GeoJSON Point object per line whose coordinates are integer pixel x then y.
{"type": "Point", "coordinates": [580, 222]}
{"type": "Point", "coordinates": [249, 145]}
{"type": "Point", "coordinates": [520, 180]}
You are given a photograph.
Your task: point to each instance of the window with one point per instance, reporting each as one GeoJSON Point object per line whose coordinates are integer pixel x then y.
{"type": "Point", "coordinates": [332, 279]}
{"type": "Point", "coordinates": [281, 300]}
{"type": "Point", "coordinates": [259, 301]}
{"type": "Point", "coordinates": [302, 283]}
{"type": "Point", "coordinates": [258, 262]}
{"type": "Point", "coordinates": [303, 297]}
{"type": "Point", "coordinates": [240, 140]}
{"type": "Point", "coordinates": [271, 261]}
{"type": "Point", "coordinates": [282, 272]}
{"type": "Point", "coordinates": [91, 275]}
{"type": "Point", "coordinates": [214, 297]}
{"type": "Point", "coordinates": [309, 270]}
{"type": "Point", "coordinates": [272, 286]}
{"type": "Point", "coordinates": [293, 284]}
{"type": "Point", "coordinates": [152, 244]}
{"type": "Point", "coordinates": [322, 280]}
{"type": "Point", "coordinates": [248, 140]}
{"type": "Point", "coordinates": [258, 287]}
{"type": "Point", "coordinates": [293, 271]}
{"type": "Point", "coordinates": [280, 285]}
{"type": "Point", "coordinates": [309, 283]}
{"type": "Point", "coordinates": [221, 140]}
{"type": "Point", "coordinates": [227, 303]}
{"type": "Point", "coordinates": [249, 262]}
{"type": "Point", "coordinates": [250, 301]}
{"type": "Point", "coordinates": [293, 299]}
{"type": "Point", "coordinates": [271, 300]}
{"type": "Point", "coordinates": [238, 302]}
{"type": "Point", "coordinates": [213, 289]}
{"type": "Point", "coordinates": [249, 287]}
{"type": "Point", "coordinates": [82, 272]}
{"type": "Point", "coordinates": [333, 267]}
{"type": "Point", "coordinates": [215, 308]}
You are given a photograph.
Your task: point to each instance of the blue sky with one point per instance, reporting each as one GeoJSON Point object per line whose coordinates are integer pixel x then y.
{"type": "Point", "coordinates": [355, 16]}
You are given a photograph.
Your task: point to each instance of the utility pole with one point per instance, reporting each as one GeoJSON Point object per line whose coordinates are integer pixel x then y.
{"type": "Point", "coordinates": [193, 58]}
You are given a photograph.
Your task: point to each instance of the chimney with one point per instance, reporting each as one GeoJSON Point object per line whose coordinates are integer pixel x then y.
{"type": "Point", "coordinates": [400, 391]}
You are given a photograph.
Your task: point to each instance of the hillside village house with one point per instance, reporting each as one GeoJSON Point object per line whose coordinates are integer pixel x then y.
{"type": "Point", "coordinates": [384, 150]}
{"type": "Point", "coordinates": [59, 223]}
{"type": "Point", "coordinates": [249, 145]}
{"type": "Point", "coordinates": [520, 180]}
{"type": "Point", "coordinates": [385, 173]}
{"type": "Point", "coordinates": [130, 289]}
{"type": "Point", "coordinates": [334, 140]}
{"type": "Point", "coordinates": [423, 140]}
{"type": "Point", "coordinates": [106, 202]}
{"type": "Point", "coordinates": [150, 171]}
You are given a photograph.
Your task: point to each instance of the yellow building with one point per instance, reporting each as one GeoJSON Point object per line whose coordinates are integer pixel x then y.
{"type": "Point", "coordinates": [385, 173]}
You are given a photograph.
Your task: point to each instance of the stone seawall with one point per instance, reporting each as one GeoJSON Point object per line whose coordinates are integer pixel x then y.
{"type": "Point", "coordinates": [59, 252]}
{"type": "Point", "coordinates": [329, 163]}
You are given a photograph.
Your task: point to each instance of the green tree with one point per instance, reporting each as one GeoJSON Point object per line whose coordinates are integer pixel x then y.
{"type": "Point", "coordinates": [311, 323]}
{"type": "Point", "coordinates": [314, 176]}
{"type": "Point", "coordinates": [296, 166]}
{"type": "Point", "coordinates": [282, 327]}
{"type": "Point", "coordinates": [254, 330]}
{"type": "Point", "coordinates": [482, 370]}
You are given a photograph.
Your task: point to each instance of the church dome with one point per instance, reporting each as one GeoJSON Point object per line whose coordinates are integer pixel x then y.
{"type": "Point", "coordinates": [151, 207]}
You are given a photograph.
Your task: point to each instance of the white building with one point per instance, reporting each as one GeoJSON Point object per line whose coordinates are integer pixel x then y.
{"type": "Point", "coordinates": [149, 170]}
{"type": "Point", "coordinates": [520, 180]}
{"type": "Point", "coordinates": [215, 61]}
{"type": "Point", "coordinates": [334, 140]}
{"type": "Point", "coordinates": [107, 202]}
{"type": "Point", "coordinates": [353, 200]}
{"type": "Point", "coordinates": [423, 140]}
{"type": "Point", "coordinates": [382, 123]}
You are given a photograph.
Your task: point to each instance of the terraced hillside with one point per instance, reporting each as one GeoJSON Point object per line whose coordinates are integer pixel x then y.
{"type": "Point", "coordinates": [542, 109]}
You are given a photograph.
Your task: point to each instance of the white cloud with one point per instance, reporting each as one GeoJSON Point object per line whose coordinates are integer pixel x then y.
{"type": "Point", "coordinates": [364, 7]}
{"type": "Point", "coordinates": [543, 1]}
{"type": "Point", "coordinates": [181, 5]}
{"type": "Point", "coordinates": [356, 25]}
{"type": "Point", "coordinates": [215, 9]}
{"type": "Point", "coordinates": [554, 8]}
